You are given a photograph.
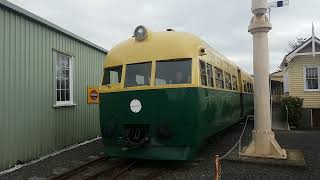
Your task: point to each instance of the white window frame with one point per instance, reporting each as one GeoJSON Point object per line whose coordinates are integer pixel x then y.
{"type": "Point", "coordinates": [305, 77]}
{"type": "Point", "coordinates": [71, 64]}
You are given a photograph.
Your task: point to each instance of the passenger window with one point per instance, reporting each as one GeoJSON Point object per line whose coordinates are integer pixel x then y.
{"type": "Point", "coordinates": [228, 81]}
{"type": "Point", "coordinates": [219, 78]}
{"type": "Point", "coordinates": [112, 75]}
{"type": "Point", "coordinates": [248, 88]}
{"type": "Point", "coordinates": [234, 83]}
{"type": "Point", "coordinates": [245, 86]}
{"type": "Point", "coordinates": [209, 72]}
{"type": "Point", "coordinates": [173, 72]}
{"type": "Point", "coordinates": [138, 75]}
{"type": "Point", "coordinates": [203, 73]}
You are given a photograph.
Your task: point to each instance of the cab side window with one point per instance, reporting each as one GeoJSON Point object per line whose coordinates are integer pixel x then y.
{"type": "Point", "coordinates": [112, 75]}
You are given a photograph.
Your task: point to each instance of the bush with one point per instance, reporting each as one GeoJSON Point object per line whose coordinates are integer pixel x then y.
{"type": "Point", "coordinates": [294, 105]}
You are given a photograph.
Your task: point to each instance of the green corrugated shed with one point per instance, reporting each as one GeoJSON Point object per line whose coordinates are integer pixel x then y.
{"type": "Point", "coordinates": [30, 125]}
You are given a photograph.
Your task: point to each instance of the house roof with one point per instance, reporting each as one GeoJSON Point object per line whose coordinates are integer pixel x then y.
{"type": "Point", "coordinates": [23, 12]}
{"type": "Point", "coordinates": [295, 51]}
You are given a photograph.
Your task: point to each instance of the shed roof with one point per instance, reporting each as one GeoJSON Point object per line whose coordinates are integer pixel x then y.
{"type": "Point", "coordinates": [19, 10]}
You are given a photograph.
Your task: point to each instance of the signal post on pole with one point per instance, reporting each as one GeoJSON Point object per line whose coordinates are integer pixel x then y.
{"type": "Point", "coordinates": [263, 143]}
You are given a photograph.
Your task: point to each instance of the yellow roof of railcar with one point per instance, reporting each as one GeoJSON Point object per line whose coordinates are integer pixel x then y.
{"type": "Point", "coordinates": [158, 46]}
{"type": "Point", "coordinates": [161, 46]}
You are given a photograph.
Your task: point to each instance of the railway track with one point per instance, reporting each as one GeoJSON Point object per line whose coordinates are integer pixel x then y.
{"type": "Point", "coordinates": [111, 169]}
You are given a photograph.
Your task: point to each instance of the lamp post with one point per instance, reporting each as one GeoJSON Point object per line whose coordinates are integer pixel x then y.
{"type": "Point", "coordinates": [263, 143]}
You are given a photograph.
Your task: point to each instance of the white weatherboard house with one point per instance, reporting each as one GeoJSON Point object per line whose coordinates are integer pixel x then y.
{"type": "Point", "coordinates": [301, 78]}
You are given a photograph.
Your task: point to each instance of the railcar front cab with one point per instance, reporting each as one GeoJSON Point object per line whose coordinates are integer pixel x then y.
{"type": "Point", "coordinates": [140, 74]}
{"type": "Point", "coordinates": [181, 69]}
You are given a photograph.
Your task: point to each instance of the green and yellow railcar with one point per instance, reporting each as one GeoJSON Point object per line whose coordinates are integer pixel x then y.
{"type": "Point", "coordinates": [163, 93]}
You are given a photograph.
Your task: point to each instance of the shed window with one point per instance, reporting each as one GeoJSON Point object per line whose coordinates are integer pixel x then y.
{"type": "Point", "coordinates": [112, 75]}
{"type": "Point", "coordinates": [219, 77]}
{"type": "Point", "coordinates": [203, 73]}
{"type": "Point", "coordinates": [138, 75]}
{"type": "Point", "coordinates": [228, 80]}
{"type": "Point", "coordinates": [234, 83]}
{"type": "Point", "coordinates": [209, 72]}
{"type": "Point", "coordinates": [63, 79]}
{"type": "Point", "coordinates": [311, 78]}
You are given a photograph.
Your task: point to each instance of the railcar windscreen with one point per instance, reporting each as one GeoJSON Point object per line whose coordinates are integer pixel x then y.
{"type": "Point", "coordinates": [138, 75]}
{"type": "Point", "coordinates": [112, 75]}
{"type": "Point", "coordinates": [173, 72]}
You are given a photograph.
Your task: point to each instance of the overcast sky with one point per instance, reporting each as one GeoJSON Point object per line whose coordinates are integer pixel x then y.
{"type": "Point", "coordinates": [223, 24]}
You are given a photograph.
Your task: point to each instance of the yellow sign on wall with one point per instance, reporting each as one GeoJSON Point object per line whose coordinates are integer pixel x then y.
{"type": "Point", "coordinates": [93, 95]}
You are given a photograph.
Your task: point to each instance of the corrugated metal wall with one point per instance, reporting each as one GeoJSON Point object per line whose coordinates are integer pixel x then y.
{"type": "Point", "coordinates": [29, 124]}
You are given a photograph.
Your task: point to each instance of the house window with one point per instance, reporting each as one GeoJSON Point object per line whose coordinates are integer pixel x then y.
{"type": "Point", "coordinates": [311, 78]}
{"type": "Point", "coordinates": [63, 79]}
{"type": "Point", "coordinates": [203, 73]}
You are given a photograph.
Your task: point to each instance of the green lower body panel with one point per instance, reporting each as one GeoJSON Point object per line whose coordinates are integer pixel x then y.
{"type": "Point", "coordinates": [171, 124]}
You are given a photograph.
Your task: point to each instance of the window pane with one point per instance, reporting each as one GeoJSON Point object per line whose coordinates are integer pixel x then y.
{"type": "Point", "coordinates": [59, 73]}
{"type": "Point", "coordinates": [210, 81]}
{"type": "Point", "coordinates": [312, 78]}
{"type": "Point", "coordinates": [138, 75]}
{"type": "Point", "coordinates": [312, 84]}
{"type": "Point", "coordinates": [209, 70]}
{"type": "Point", "coordinates": [228, 80]}
{"type": "Point", "coordinates": [203, 73]}
{"type": "Point", "coordinates": [234, 83]}
{"type": "Point", "coordinates": [173, 72]}
{"type": "Point", "coordinates": [311, 73]}
{"type": "Point", "coordinates": [219, 77]}
{"type": "Point", "coordinates": [67, 95]}
{"type": "Point", "coordinates": [62, 77]}
{"type": "Point", "coordinates": [63, 84]}
{"type": "Point", "coordinates": [58, 95]}
{"type": "Point", "coordinates": [67, 84]}
{"type": "Point", "coordinates": [67, 73]}
{"type": "Point", "coordinates": [58, 83]}
{"type": "Point", "coordinates": [63, 95]}
{"type": "Point", "coordinates": [112, 75]}
{"type": "Point", "coordinates": [64, 60]}
{"type": "Point", "coordinates": [245, 86]}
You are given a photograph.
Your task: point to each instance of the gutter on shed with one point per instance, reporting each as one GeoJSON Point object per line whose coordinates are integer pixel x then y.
{"type": "Point", "coordinates": [50, 25]}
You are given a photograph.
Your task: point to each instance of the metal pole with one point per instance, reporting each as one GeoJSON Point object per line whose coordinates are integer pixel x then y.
{"type": "Point", "coordinates": [263, 142]}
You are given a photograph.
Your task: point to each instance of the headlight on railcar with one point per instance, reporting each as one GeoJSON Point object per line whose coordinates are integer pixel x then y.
{"type": "Point", "coordinates": [140, 33]}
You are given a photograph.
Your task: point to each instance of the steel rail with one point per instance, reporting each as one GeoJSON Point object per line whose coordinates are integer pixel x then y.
{"type": "Point", "coordinates": [77, 169]}
{"type": "Point", "coordinates": [123, 170]}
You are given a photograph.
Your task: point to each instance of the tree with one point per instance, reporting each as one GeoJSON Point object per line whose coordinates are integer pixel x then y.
{"type": "Point", "coordinates": [295, 43]}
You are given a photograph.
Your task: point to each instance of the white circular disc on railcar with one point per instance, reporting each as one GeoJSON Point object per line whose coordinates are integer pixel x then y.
{"type": "Point", "coordinates": [135, 106]}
